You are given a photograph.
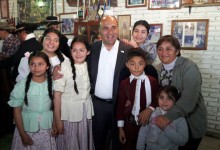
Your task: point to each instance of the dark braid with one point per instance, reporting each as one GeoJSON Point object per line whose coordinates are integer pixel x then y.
{"type": "Point", "coordinates": [83, 40]}
{"type": "Point", "coordinates": [27, 85]}
{"type": "Point", "coordinates": [49, 76]}
{"type": "Point", "coordinates": [50, 89]}
{"type": "Point", "coordinates": [74, 74]}
{"type": "Point", "coordinates": [59, 55]}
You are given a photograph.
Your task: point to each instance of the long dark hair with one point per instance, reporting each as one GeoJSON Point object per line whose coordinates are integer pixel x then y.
{"type": "Point", "coordinates": [143, 23]}
{"type": "Point", "coordinates": [83, 40]}
{"type": "Point", "coordinates": [49, 76]}
{"type": "Point", "coordinates": [58, 51]}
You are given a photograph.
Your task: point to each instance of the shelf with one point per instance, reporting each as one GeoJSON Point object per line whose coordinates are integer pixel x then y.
{"type": "Point", "coordinates": [201, 4]}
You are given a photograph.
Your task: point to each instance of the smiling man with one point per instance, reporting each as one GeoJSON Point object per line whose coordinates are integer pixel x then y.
{"type": "Point", "coordinates": [108, 58]}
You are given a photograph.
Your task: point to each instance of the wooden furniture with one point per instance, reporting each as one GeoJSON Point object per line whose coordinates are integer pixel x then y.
{"type": "Point", "coordinates": [88, 29]}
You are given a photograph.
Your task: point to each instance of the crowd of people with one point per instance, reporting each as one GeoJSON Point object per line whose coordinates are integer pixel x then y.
{"type": "Point", "coordinates": [105, 95]}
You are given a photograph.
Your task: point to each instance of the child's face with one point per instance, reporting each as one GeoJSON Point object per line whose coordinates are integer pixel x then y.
{"type": "Point", "coordinates": [165, 102]}
{"type": "Point", "coordinates": [51, 43]}
{"type": "Point", "coordinates": [79, 52]}
{"type": "Point", "coordinates": [38, 66]}
{"type": "Point", "coordinates": [136, 65]}
{"type": "Point", "coordinates": [140, 34]}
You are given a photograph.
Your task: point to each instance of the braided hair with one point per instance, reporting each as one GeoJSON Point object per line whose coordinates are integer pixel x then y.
{"type": "Point", "coordinates": [49, 77]}
{"type": "Point", "coordinates": [83, 40]}
{"type": "Point", "coordinates": [58, 51]}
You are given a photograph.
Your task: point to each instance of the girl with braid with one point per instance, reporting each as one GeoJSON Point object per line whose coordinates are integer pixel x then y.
{"type": "Point", "coordinates": [73, 108]}
{"type": "Point", "coordinates": [51, 46]}
{"type": "Point", "coordinates": [31, 99]}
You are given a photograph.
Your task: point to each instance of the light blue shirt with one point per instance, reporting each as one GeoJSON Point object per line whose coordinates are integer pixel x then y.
{"type": "Point", "coordinates": [38, 113]}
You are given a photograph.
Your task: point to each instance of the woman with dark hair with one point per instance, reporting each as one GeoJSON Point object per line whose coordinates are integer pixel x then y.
{"type": "Point", "coordinates": [73, 106]}
{"type": "Point", "coordinates": [185, 75]}
{"type": "Point", "coordinates": [51, 46]}
{"type": "Point", "coordinates": [140, 34]}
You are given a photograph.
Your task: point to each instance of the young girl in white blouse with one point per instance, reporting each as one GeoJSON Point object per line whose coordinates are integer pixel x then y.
{"type": "Point", "coordinates": [73, 107]}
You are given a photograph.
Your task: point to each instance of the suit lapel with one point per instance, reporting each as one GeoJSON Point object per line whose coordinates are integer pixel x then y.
{"type": "Point", "coordinates": [120, 59]}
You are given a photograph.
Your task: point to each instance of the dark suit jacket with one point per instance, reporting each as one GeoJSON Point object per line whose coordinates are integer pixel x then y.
{"type": "Point", "coordinates": [120, 65]}
{"type": "Point", "coordinates": [30, 45]}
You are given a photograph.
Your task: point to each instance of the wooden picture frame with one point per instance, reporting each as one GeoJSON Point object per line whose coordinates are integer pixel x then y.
{"type": "Point", "coordinates": [59, 7]}
{"type": "Point", "coordinates": [124, 25]}
{"type": "Point", "coordinates": [135, 3]}
{"type": "Point", "coordinates": [4, 9]}
{"type": "Point", "coordinates": [67, 27]}
{"type": "Point", "coordinates": [163, 4]}
{"type": "Point", "coordinates": [155, 32]}
{"type": "Point", "coordinates": [192, 34]}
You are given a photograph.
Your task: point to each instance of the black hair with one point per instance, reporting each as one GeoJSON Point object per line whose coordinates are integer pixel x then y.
{"type": "Point", "coordinates": [171, 91]}
{"type": "Point", "coordinates": [143, 23]}
{"type": "Point", "coordinates": [136, 52]}
{"type": "Point", "coordinates": [83, 40]}
{"type": "Point", "coordinates": [172, 40]}
{"type": "Point", "coordinates": [49, 76]}
{"type": "Point", "coordinates": [58, 51]}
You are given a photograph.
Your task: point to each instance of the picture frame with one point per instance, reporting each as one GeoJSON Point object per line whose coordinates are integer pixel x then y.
{"type": "Point", "coordinates": [135, 3]}
{"type": "Point", "coordinates": [4, 9]}
{"type": "Point", "coordinates": [59, 7]}
{"type": "Point", "coordinates": [155, 32]}
{"type": "Point", "coordinates": [124, 24]}
{"type": "Point", "coordinates": [67, 25]}
{"type": "Point", "coordinates": [192, 34]}
{"type": "Point", "coordinates": [163, 4]}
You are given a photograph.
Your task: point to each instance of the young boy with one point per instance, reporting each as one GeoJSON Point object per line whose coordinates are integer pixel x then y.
{"type": "Point", "coordinates": [136, 99]}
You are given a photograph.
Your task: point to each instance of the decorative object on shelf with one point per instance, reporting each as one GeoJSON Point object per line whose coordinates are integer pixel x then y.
{"type": "Point", "coordinates": [155, 32]}
{"type": "Point", "coordinates": [124, 24]}
{"type": "Point", "coordinates": [4, 9]}
{"type": "Point", "coordinates": [135, 3]}
{"type": "Point", "coordinates": [112, 3]}
{"type": "Point", "coordinates": [164, 4]}
{"type": "Point", "coordinates": [67, 27]}
{"type": "Point", "coordinates": [88, 29]}
{"type": "Point", "coordinates": [192, 34]}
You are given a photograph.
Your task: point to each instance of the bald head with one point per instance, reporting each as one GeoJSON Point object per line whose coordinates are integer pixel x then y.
{"type": "Point", "coordinates": [108, 30]}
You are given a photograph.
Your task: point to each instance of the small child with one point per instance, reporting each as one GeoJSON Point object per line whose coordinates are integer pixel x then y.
{"type": "Point", "coordinates": [32, 102]}
{"type": "Point", "coordinates": [136, 99]}
{"type": "Point", "coordinates": [72, 100]}
{"type": "Point", "coordinates": [152, 137]}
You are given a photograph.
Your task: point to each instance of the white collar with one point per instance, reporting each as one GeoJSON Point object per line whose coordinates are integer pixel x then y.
{"type": "Point", "coordinates": [30, 36]}
{"type": "Point", "coordinates": [170, 66]}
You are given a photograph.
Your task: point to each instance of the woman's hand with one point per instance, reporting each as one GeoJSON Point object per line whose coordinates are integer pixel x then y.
{"type": "Point", "coordinates": [132, 43]}
{"type": "Point", "coordinates": [56, 74]}
{"type": "Point", "coordinates": [54, 130]}
{"type": "Point", "coordinates": [59, 125]}
{"type": "Point", "coordinates": [26, 139]}
{"type": "Point", "coordinates": [162, 122]}
{"type": "Point", "coordinates": [122, 137]}
{"type": "Point", "coordinates": [144, 116]}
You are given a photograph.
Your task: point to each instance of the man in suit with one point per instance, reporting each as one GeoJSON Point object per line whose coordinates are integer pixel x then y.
{"type": "Point", "coordinates": [107, 61]}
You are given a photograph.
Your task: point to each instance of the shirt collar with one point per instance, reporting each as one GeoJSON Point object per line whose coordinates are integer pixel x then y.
{"type": "Point", "coordinates": [30, 36]}
{"type": "Point", "coordinates": [132, 77]}
{"type": "Point", "coordinates": [170, 66]}
{"type": "Point", "coordinates": [115, 45]}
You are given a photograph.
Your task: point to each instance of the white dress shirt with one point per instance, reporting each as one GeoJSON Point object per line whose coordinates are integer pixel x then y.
{"type": "Point", "coordinates": [106, 70]}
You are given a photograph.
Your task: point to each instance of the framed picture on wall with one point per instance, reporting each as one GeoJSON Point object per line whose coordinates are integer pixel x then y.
{"type": "Point", "coordinates": [67, 27]}
{"type": "Point", "coordinates": [135, 3]}
{"type": "Point", "coordinates": [59, 7]}
{"type": "Point", "coordinates": [192, 34]}
{"type": "Point", "coordinates": [164, 4]}
{"type": "Point", "coordinates": [4, 9]}
{"type": "Point", "coordinates": [155, 32]}
{"type": "Point", "coordinates": [124, 25]}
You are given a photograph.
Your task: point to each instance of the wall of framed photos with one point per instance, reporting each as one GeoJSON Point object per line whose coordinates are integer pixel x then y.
{"type": "Point", "coordinates": [207, 60]}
